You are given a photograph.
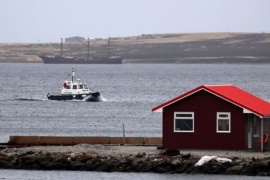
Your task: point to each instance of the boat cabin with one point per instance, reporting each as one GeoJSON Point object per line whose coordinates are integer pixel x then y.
{"type": "Point", "coordinates": [75, 88]}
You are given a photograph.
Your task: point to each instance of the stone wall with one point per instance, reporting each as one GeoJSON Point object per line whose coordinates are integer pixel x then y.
{"type": "Point", "coordinates": [172, 162]}
{"type": "Point", "coordinates": [68, 140]}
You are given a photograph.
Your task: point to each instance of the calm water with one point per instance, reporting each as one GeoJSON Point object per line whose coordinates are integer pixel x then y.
{"type": "Point", "coordinates": [129, 93]}
{"type": "Point", "coordinates": [70, 175]}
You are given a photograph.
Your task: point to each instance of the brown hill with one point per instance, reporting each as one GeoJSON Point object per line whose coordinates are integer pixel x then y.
{"type": "Point", "coordinates": [157, 48]}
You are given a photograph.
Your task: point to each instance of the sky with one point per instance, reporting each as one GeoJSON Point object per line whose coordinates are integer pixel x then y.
{"type": "Point", "coordinates": [41, 21]}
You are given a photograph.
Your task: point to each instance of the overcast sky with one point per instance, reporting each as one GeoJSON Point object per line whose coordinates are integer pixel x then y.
{"type": "Point", "coordinates": [49, 20]}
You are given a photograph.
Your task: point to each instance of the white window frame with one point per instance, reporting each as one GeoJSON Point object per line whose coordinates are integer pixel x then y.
{"type": "Point", "coordinates": [224, 118]}
{"type": "Point", "coordinates": [179, 118]}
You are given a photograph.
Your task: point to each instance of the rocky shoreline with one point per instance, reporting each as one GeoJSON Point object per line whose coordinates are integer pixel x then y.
{"type": "Point", "coordinates": [160, 161]}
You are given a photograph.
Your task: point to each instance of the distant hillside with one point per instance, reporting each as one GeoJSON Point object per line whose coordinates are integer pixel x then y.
{"type": "Point", "coordinates": [157, 48]}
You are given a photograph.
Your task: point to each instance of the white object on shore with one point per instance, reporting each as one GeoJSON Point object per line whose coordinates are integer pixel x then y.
{"type": "Point", "coordinates": [206, 158]}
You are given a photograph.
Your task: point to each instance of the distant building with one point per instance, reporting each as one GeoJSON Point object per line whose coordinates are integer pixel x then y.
{"type": "Point", "coordinates": [74, 39]}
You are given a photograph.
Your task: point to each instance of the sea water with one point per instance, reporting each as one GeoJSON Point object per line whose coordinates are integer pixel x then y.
{"type": "Point", "coordinates": [129, 92]}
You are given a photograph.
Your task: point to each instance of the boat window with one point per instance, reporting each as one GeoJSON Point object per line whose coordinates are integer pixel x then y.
{"type": "Point", "coordinates": [68, 87]}
{"type": "Point", "coordinates": [80, 86]}
{"type": "Point", "coordinates": [74, 86]}
{"type": "Point", "coordinates": [85, 86]}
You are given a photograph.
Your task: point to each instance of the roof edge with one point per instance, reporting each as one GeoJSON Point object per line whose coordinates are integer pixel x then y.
{"type": "Point", "coordinates": [167, 103]}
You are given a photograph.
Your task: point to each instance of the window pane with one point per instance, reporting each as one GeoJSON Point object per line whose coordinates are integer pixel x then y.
{"type": "Point", "coordinates": [256, 126]}
{"type": "Point", "coordinates": [183, 115]}
{"type": "Point", "coordinates": [223, 115]}
{"type": "Point", "coordinates": [184, 125]}
{"type": "Point", "coordinates": [223, 125]}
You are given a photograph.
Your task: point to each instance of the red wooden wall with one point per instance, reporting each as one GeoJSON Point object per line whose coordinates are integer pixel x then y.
{"type": "Point", "coordinates": [205, 107]}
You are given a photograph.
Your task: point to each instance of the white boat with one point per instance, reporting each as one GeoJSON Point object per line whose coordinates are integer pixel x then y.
{"type": "Point", "coordinates": [74, 90]}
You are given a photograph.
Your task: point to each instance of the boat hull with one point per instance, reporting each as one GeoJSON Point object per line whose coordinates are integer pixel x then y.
{"type": "Point", "coordinates": [72, 60]}
{"type": "Point", "coordinates": [93, 97]}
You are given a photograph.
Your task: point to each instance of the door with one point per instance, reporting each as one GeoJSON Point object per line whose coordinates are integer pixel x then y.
{"type": "Point", "coordinates": [249, 131]}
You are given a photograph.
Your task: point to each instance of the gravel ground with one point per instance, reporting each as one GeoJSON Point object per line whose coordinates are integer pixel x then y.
{"type": "Point", "coordinates": [127, 150]}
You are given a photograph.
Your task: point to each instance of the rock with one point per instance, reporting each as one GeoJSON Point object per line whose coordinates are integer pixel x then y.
{"type": "Point", "coordinates": [263, 174]}
{"type": "Point", "coordinates": [251, 168]}
{"type": "Point", "coordinates": [186, 156]}
{"type": "Point", "coordinates": [77, 165]}
{"type": "Point", "coordinates": [43, 160]}
{"type": "Point", "coordinates": [4, 164]}
{"type": "Point", "coordinates": [192, 161]}
{"type": "Point", "coordinates": [27, 158]}
{"type": "Point", "coordinates": [237, 161]}
{"type": "Point", "coordinates": [62, 159]}
{"type": "Point", "coordinates": [4, 158]}
{"type": "Point", "coordinates": [181, 170]}
{"type": "Point", "coordinates": [53, 166]}
{"type": "Point", "coordinates": [29, 152]}
{"type": "Point", "coordinates": [139, 155]}
{"type": "Point", "coordinates": [171, 152]}
{"type": "Point", "coordinates": [135, 163]}
{"type": "Point", "coordinates": [93, 156]}
{"type": "Point", "coordinates": [234, 170]}
{"type": "Point", "coordinates": [83, 158]}
{"type": "Point", "coordinates": [263, 164]}
{"type": "Point", "coordinates": [12, 164]}
{"type": "Point", "coordinates": [243, 164]}
{"type": "Point", "coordinates": [175, 162]}
{"type": "Point", "coordinates": [104, 167]}
{"type": "Point", "coordinates": [90, 166]}
{"type": "Point", "coordinates": [2, 154]}
{"type": "Point", "coordinates": [226, 165]}
{"type": "Point", "coordinates": [161, 170]}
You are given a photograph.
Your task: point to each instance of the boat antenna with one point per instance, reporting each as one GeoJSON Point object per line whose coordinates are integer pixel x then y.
{"type": "Point", "coordinates": [73, 73]}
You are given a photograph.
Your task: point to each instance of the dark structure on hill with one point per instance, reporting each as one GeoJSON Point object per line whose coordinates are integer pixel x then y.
{"type": "Point", "coordinates": [75, 39]}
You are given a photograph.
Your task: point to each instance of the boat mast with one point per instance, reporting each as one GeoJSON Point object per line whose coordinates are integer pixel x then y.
{"type": "Point", "coordinates": [61, 52]}
{"type": "Point", "coordinates": [73, 73]}
{"type": "Point", "coordinates": [88, 48]}
{"type": "Point", "coordinates": [109, 44]}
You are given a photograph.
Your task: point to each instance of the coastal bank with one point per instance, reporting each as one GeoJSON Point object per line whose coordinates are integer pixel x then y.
{"type": "Point", "coordinates": [107, 158]}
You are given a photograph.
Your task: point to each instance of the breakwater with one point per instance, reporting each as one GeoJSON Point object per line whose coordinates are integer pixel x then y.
{"type": "Point", "coordinates": [167, 161]}
{"type": "Point", "coordinates": [72, 140]}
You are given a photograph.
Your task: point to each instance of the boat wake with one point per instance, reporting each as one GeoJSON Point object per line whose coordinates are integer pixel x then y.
{"type": "Point", "coordinates": [94, 99]}
{"type": "Point", "coordinates": [103, 98]}
{"type": "Point", "coordinates": [29, 99]}
{"type": "Point", "coordinates": [86, 99]}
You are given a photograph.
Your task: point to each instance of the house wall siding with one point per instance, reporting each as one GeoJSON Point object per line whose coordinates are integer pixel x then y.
{"type": "Point", "coordinates": [205, 107]}
{"type": "Point", "coordinates": [267, 130]}
{"type": "Point", "coordinates": [256, 140]}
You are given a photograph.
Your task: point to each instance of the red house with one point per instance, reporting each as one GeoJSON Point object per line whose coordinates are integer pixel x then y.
{"type": "Point", "coordinates": [215, 117]}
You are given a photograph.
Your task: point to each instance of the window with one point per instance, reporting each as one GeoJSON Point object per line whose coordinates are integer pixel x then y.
{"type": "Point", "coordinates": [85, 86]}
{"type": "Point", "coordinates": [80, 86]}
{"type": "Point", "coordinates": [68, 87]}
{"type": "Point", "coordinates": [223, 122]}
{"type": "Point", "coordinates": [256, 126]}
{"type": "Point", "coordinates": [74, 86]}
{"type": "Point", "coordinates": [183, 122]}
